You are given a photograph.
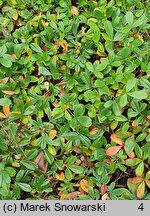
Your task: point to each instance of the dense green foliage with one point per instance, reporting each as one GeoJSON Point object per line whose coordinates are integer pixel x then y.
{"type": "Point", "coordinates": [74, 99]}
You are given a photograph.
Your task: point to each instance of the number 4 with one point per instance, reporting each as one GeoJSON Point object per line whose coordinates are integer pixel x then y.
{"type": "Point", "coordinates": [141, 207]}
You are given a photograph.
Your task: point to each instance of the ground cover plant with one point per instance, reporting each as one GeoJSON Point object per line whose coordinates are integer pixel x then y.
{"type": "Point", "coordinates": [74, 99]}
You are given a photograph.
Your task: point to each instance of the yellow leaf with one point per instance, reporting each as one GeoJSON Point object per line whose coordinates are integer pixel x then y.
{"type": "Point", "coordinates": [74, 11]}
{"type": "Point", "coordinates": [13, 2]}
{"type": "Point", "coordinates": [2, 115]}
{"type": "Point", "coordinates": [52, 134]}
{"type": "Point", "coordinates": [60, 176]}
{"type": "Point", "coordinates": [84, 185]}
{"type": "Point", "coordinates": [16, 164]}
{"type": "Point", "coordinates": [32, 142]}
{"type": "Point", "coordinates": [141, 190]}
{"type": "Point", "coordinates": [6, 110]}
{"type": "Point", "coordinates": [15, 16]}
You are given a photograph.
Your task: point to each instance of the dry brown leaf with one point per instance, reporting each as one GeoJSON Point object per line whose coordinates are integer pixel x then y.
{"type": "Point", "coordinates": [84, 185]}
{"type": "Point", "coordinates": [6, 110]}
{"type": "Point", "coordinates": [113, 150]}
{"type": "Point", "coordinates": [116, 140]}
{"type": "Point", "coordinates": [40, 161]}
{"type": "Point", "coordinates": [104, 197]}
{"type": "Point", "coordinates": [74, 11]}
{"type": "Point", "coordinates": [6, 79]}
{"type": "Point", "coordinates": [77, 150]}
{"type": "Point", "coordinates": [72, 195]}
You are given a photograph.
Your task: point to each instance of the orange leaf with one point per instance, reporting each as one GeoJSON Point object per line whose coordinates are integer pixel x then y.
{"type": "Point", "coordinates": [94, 131]}
{"type": "Point", "coordinates": [116, 140]}
{"type": "Point", "coordinates": [131, 155]}
{"type": "Point", "coordinates": [141, 190]}
{"type": "Point", "coordinates": [8, 92]}
{"type": "Point", "coordinates": [84, 185]}
{"type": "Point", "coordinates": [60, 176]}
{"type": "Point", "coordinates": [2, 115]}
{"type": "Point", "coordinates": [6, 110]}
{"type": "Point", "coordinates": [135, 180]}
{"type": "Point", "coordinates": [148, 117]}
{"type": "Point", "coordinates": [74, 11]}
{"type": "Point", "coordinates": [103, 189]}
{"type": "Point", "coordinates": [13, 56]}
{"type": "Point", "coordinates": [113, 150]}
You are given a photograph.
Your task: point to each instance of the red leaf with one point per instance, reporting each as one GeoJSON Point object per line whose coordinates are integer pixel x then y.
{"type": "Point", "coordinates": [135, 180]}
{"type": "Point", "coordinates": [113, 150]}
{"type": "Point", "coordinates": [116, 140]}
{"type": "Point", "coordinates": [103, 189]}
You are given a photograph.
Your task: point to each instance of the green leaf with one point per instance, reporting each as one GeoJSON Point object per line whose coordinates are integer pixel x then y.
{"type": "Point", "coordinates": [3, 50]}
{"type": "Point", "coordinates": [123, 100]}
{"type": "Point", "coordinates": [79, 109]}
{"type": "Point", "coordinates": [6, 62]}
{"type": "Point", "coordinates": [129, 17]}
{"type": "Point", "coordinates": [44, 71]}
{"type": "Point", "coordinates": [68, 174]}
{"type": "Point", "coordinates": [76, 169]}
{"type": "Point", "coordinates": [25, 187]}
{"type": "Point", "coordinates": [116, 108]}
{"type": "Point", "coordinates": [124, 52]}
{"type": "Point", "coordinates": [140, 169]}
{"type": "Point", "coordinates": [89, 66]}
{"type": "Point", "coordinates": [48, 156]}
{"type": "Point", "coordinates": [102, 65]}
{"type": "Point", "coordinates": [29, 165]}
{"type": "Point", "coordinates": [35, 47]}
{"type": "Point", "coordinates": [85, 121]}
{"type": "Point", "coordinates": [130, 144]}
{"type": "Point", "coordinates": [133, 162]}
{"type": "Point", "coordinates": [130, 84]}
{"type": "Point", "coordinates": [4, 192]}
{"type": "Point", "coordinates": [138, 94]}
{"type": "Point", "coordinates": [109, 29]}
{"type": "Point", "coordinates": [70, 135]}
{"type": "Point", "coordinates": [11, 171]}
{"type": "Point", "coordinates": [5, 102]}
